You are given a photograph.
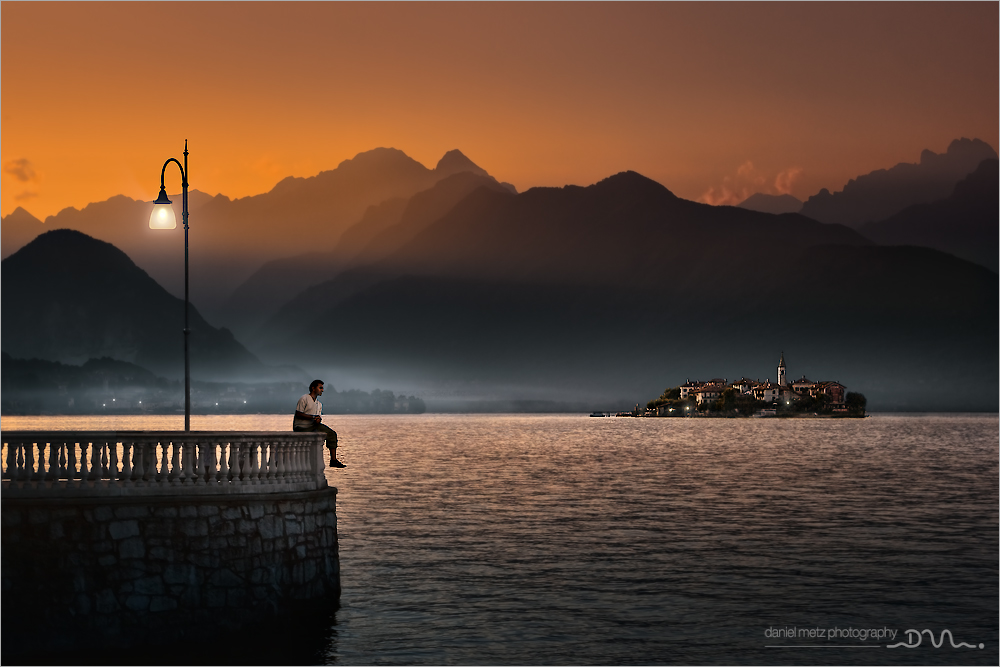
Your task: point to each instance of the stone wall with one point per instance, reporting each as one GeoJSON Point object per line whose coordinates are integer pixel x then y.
{"type": "Point", "coordinates": [100, 572]}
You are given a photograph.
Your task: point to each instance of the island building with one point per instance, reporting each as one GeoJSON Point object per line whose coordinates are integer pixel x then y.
{"type": "Point", "coordinates": [767, 391]}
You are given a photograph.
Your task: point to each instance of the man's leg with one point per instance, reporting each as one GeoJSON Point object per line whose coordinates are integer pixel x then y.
{"type": "Point", "coordinates": [331, 444]}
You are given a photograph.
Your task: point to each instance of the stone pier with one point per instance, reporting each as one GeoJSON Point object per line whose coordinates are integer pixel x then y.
{"type": "Point", "coordinates": [125, 539]}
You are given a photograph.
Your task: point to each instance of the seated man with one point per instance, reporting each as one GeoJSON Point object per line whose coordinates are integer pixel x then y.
{"type": "Point", "coordinates": [308, 417]}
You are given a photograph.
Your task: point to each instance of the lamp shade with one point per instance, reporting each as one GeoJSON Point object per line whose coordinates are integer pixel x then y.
{"type": "Point", "coordinates": [162, 216]}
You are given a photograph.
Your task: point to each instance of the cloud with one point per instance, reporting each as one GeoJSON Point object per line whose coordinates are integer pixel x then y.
{"type": "Point", "coordinates": [784, 181]}
{"type": "Point", "coordinates": [25, 196]}
{"type": "Point", "coordinates": [747, 181]}
{"type": "Point", "coordinates": [21, 169]}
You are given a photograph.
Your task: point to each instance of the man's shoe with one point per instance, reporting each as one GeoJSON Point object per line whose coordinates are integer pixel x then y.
{"type": "Point", "coordinates": [334, 463]}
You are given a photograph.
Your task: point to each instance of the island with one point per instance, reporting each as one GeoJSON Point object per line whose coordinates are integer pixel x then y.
{"type": "Point", "coordinates": [755, 398]}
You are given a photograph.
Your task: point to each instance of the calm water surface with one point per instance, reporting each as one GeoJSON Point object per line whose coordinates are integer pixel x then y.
{"type": "Point", "coordinates": [525, 539]}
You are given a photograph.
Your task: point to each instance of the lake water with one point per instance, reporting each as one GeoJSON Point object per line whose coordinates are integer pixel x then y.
{"type": "Point", "coordinates": [553, 539]}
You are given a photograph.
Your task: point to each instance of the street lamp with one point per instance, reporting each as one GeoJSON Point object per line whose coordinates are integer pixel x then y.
{"type": "Point", "coordinates": [162, 217]}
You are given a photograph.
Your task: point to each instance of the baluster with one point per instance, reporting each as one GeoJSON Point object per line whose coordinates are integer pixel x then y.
{"type": "Point", "coordinates": [200, 464]}
{"type": "Point", "coordinates": [148, 462]}
{"type": "Point", "coordinates": [84, 471]}
{"type": "Point", "coordinates": [38, 469]}
{"type": "Point", "coordinates": [10, 469]}
{"type": "Point", "coordinates": [109, 457]}
{"type": "Point", "coordinates": [23, 452]}
{"type": "Point", "coordinates": [186, 462]}
{"type": "Point", "coordinates": [272, 463]}
{"type": "Point", "coordinates": [126, 473]}
{"type": "Point", "coordinates": [71, 472]}
{"type": "Point", "coordinates": [164, 473]}
{"type": "Point", "coordinates": [52, 464]}
{"type": "Point", "coordinates": [254, 466]}
{"type": "Point", "coordinates": [213, 458]}
{"type": "Point", "coordinates": [297, 448]}
{"type": "Point", "coordinates": [175, 463]}
{"type": "Point", "coordinates": [224, 471]}
{"type": "Point", "coordinates": [276, 456]}
{"type": "Point", "coordinates": [30, 467]}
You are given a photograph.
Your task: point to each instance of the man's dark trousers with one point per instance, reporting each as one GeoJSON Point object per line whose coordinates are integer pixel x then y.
{"type": "Point", "coordinates": [331, 437]}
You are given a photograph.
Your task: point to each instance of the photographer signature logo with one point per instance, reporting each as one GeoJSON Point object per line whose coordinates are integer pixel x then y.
{"type": "Point", "coordinates": [915, 637]}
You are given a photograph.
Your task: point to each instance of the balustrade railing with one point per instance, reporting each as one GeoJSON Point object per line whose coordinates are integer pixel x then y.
{"type": "Point", "coordinates": [56, 463]}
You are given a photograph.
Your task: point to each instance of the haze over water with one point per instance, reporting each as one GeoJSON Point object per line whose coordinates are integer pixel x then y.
{"type": "Point", "coordinates": [554, 539]}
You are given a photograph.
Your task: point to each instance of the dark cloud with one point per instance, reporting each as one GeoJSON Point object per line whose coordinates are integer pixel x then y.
{"type": "Point", "coordinates": [25, 196]}
{"type": "Point", "coordinates": [21, 169]}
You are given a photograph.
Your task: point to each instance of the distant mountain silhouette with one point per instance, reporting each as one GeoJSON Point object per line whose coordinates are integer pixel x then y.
{"type": "Point", "coordinates": [885, 192]}
{"type": "Point", "coordinates": [232, 238]}
{"type": "Point", "coordinates": [592, 293]}
{"type": "Point", "coordinates": [68, 298]}
{"type": "Point", "coordinates": [772, 203]}
{"type": "Point", "coordinates": [382, 230]}
{"type": "Point", "coordinates": [964, 224]}
{"type": "Point", "coordinates": [18, 228]}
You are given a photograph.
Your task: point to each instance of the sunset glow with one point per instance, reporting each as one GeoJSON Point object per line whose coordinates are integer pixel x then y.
{"type": "Point", "coordinates": [716, 101]}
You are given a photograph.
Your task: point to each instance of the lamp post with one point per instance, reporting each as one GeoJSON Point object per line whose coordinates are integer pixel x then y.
{"type": "Point", "coordinates": [162, 217]}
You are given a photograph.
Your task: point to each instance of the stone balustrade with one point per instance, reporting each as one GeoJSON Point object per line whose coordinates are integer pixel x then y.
{"type": "Point", "coordinates": [146, 463]}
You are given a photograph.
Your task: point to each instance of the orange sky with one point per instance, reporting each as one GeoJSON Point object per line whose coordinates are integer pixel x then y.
{"type": "Point", "coordinates": [715, 101]}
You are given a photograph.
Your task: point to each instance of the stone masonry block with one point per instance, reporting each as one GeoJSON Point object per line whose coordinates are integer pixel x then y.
{"type": "Point", "coordinates": [270, 527]}
{"type": "Point", "coordinates": [237, 598]}
{"type": "Point", "coordinates": [225, 578]}
{"type": "Point", "coordinates": [132, 512]}
{"type": "Point", "coordinates": [106, 602]}
{"type": "Point", "coordinates": [179, 573]}
{"type": "Point", "coordinates": [56, 531]}
{"type": "Point", "coordinates": [121, 529]}
{"type": "Point", "coordinates": [132, 548]}
{"type": "Point", "coordinates": [197, 528]}
{"type": "Point", "coordinates": [208, 510]}
{"type": "Point", "coordinates": [231, 513]}
{"type": "Point", "coordinates": [149, 586]}
{"type": "Point", "coordinates": [165, 512]}
{"type": "Point", "coordinates": [215, 597]}
{"type": "Point", "coordinates": [103, 513]}
{"type": "Point", "coordinates": [107, 560]}
{"type": "Point", "coordinates": [256, 511]}
{"type": "Point", "coordinates": [162, 603]}
{"type": "Point", "coordinates": [188, 511]}
{"type": "Point", "coordinates": [137, 602]}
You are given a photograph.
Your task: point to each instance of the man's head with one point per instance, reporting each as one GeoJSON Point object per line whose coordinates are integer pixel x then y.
{"type": "Point", "coordinates": [316, 388]}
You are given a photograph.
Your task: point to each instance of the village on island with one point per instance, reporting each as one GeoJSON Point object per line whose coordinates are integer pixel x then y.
{"type": "Point", "coordinates": [754, 398]}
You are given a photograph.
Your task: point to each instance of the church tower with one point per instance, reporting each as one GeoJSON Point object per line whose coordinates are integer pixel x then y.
{"type": "Point", "coordinates": [781, 371]}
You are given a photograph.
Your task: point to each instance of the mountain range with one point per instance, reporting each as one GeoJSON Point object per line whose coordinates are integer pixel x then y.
{"type": "Point", "coordinates": [885, 192]}
{"type": "Point", "coordinates": [460, 289]}
{"type": "Point", "coordinates": [69, 298]}
{"type": "Point", "coordinates": [231, 238]}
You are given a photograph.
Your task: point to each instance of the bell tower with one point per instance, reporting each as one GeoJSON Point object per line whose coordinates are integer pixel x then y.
{"type": "Point", "coordinates": [781, 371]}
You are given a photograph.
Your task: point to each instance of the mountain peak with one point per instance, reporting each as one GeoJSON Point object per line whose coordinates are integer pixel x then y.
{"type": "Point", "coordinates": [634, 182]}
{"type": "Point", "coordinates": [19, 215]}
{"type": "Point", "coordinates": [454, 162]}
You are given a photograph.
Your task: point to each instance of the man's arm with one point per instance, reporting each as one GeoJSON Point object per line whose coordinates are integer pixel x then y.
{"type": "Point", "coordinates": [303, 415]}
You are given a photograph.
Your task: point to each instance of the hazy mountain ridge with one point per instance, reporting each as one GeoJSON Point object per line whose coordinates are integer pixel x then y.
{"type": "Point", "coordinates": [884, 192]}
{"type": "Point", "coordinates": [383, 228]}
{"type": "Point", "coordinates": [963, 224]}
{"type": "Point", "coordinates": [232, 238]}
{"type": "Point", "coordinates": [68, 297]}
{"type": "Point", "coordinates": [776, 204]}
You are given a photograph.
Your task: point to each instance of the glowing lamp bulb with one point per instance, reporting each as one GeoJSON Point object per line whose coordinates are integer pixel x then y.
{"type": "Point", "coordinates": [162, 216]}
